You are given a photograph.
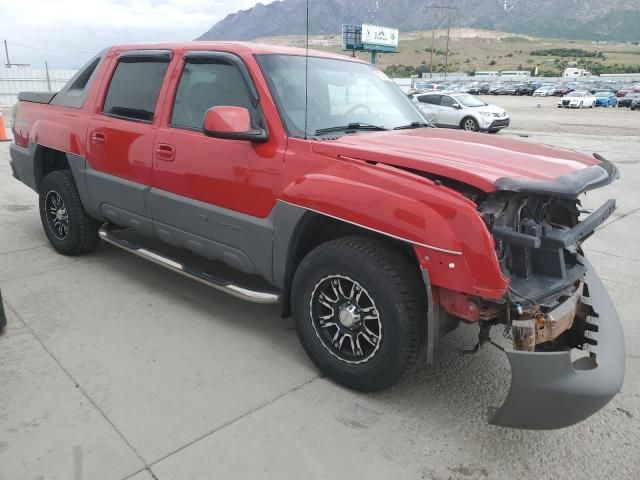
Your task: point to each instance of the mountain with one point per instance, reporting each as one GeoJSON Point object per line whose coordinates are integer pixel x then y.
{"type": "Point", "coordinates": [570, 19]}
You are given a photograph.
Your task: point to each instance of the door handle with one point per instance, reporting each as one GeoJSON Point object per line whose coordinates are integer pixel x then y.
{"type": "Point", "coordinates": [98, 138]}
{"type": "Point", "coordinates": [165, 152]}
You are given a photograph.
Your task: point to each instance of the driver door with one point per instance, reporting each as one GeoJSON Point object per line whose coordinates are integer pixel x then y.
{"type": "Point", "coordinates": [450, 113]}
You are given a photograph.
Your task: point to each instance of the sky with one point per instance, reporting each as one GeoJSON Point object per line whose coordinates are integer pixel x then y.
{"type": "Point", "coordinates": [67, 33]}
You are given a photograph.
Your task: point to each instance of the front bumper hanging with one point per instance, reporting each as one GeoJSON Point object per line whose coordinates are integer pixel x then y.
{"type": "Point", "coordinates": [550, 391]}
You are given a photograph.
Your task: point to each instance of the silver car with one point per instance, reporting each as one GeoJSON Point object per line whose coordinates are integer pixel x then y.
{"type": "Point", "coordinates": [461, 110]}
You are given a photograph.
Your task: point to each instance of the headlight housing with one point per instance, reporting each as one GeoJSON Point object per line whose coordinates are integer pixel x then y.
{"type": "Point", "coordinates": [490, 114]}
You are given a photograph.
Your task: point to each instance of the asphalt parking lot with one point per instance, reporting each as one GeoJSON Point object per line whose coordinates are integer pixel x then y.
{"type": "Point", "coordinates": [113, 368]}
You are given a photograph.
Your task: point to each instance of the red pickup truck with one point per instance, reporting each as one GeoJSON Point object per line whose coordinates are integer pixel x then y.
{"type": "Point", "coordinates": [280, 175]}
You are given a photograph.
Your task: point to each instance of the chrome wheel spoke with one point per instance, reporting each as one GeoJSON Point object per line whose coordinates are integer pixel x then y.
{"type": "Point", "coordinates": [353, 346]}
{"type": "Point", "coordinates": [366, 337]}
{"type": "Point", "coordinates": [334, 288]}
{"type": "Point", "coordinates": [346, 335]}
{"type": "Point", "coordinates": [325, 304]}
{"type": "Point", "coordinates": [324, 296]}
{"type": "Point", "coordinates": [335, 337]}
{"type": "Point", "coordinates": [374, 338]}
{"type": "Point", "coordinates": [329, 324]}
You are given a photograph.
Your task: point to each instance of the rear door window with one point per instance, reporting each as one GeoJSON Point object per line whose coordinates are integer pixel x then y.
{"type": "Point", "coordinates": [134, 89]}
{"type": "Point", "coordinates": [430, 99]}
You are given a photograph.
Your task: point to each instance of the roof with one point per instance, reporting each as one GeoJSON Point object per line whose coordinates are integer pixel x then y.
{"type": "Point", "coordinates": [237, 47]}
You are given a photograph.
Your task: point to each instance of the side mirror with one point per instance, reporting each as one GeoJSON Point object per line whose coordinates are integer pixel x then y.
{"type": "Point", "coordinates": [232, 123]}
{"type": "Point", "coordinates": [457, 106]}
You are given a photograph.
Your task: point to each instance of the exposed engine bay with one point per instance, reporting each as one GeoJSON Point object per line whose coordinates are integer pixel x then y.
{"type": "Point", "coordinates": [538, 244]}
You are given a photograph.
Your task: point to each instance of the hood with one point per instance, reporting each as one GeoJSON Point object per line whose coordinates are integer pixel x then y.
{"type": "Point", "coordinates": [484, 161]}
{"type": "Point", "coordinates": [488, 108]}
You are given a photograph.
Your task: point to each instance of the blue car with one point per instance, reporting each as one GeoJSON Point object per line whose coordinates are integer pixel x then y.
{"type": "Point", "coordinates": [606, 99]}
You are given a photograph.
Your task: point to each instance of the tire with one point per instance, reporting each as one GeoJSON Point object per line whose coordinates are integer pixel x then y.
{"type": "Point", "coordinates": [469, 124]}
{"type": "Point", "coordinates": [390, 287]}
{"type": "Point", "coordinates": [67, 226]}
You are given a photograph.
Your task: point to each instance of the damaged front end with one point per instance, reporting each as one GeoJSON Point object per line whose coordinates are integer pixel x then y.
{"type": "Point", "coordinates": [567, 355]}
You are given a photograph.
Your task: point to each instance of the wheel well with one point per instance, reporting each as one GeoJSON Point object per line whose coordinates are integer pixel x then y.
{"type": "Point", "coordinates": [48, 160]}
{"type": "Point", "coordinates": [315, 229]}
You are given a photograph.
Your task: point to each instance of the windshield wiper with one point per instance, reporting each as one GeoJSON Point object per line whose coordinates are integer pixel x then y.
{"type": "Point", "coordinates": [350, 126]}
{"type": "Point", "coordinates": [413, 125]}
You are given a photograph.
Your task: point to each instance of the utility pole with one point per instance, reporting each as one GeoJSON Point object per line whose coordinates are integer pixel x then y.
{"type": "Point", "coordinates": [446, 55]}
{"type": "Point", "coordinates": [6, 52]}
{"type": "Point", "coordinates": [433, 38]}
{"type": "Point", "coordinates": [449, 9]}
{"type": "Point", "coordinates": [46, 67]}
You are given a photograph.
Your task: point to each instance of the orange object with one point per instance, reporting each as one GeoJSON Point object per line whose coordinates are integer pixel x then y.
{"type": "Point", "coordinates": [3, 130]}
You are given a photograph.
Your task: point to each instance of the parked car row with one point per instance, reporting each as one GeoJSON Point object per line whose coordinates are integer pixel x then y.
{"type": "Point", "coordinates": [601, 98]}
{"type": "Point", "coordinates": [533, 87]}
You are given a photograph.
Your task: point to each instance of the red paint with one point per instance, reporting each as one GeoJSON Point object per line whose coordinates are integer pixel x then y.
{"type": "Point", "coordinates": [354, 178]}
{"type": "Point", "coordinates": [227, 119]}
{"type": "Point", "coordinates": [456, 304]}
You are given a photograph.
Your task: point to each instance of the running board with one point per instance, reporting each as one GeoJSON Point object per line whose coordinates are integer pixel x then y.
{"type": "Point", "coordinates": [209, 274]}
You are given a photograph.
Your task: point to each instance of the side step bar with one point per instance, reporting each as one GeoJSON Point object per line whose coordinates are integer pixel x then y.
{"type": "Point", "coordinates": [126, 239]}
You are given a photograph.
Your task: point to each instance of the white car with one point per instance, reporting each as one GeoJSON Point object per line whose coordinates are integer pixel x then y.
{"type": "Point", "coordinates": [461, 110]}
{"type": "Point", "coordinates": [544, 91]}
{"type": "Point", "coordinates": [577, 100]}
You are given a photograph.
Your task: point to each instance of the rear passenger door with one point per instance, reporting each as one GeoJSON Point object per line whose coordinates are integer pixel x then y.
{"type": "Point", "coordinates": [215, 196]}
{"type": "Point", "coordinates": [120, 139]}
{"type": "Point", "coordinates": [429, 105]}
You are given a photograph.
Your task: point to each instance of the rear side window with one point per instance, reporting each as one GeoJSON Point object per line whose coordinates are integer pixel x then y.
{"type": "Point", "coordinates": [205, 85]}
{"type": "Point", "coordinates": [134, 89]}
{"type": "Point", "coordinates": [74, 93]}
{"type": "Point", "coordinates": [431, 99]}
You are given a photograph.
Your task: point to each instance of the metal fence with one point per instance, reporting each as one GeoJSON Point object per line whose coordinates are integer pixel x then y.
{"type": "Point", "coordinates": [16, 80]}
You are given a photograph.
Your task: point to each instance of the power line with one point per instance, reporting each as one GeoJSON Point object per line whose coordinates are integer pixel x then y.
{"type": "Point", "coordinates": [45, 49]}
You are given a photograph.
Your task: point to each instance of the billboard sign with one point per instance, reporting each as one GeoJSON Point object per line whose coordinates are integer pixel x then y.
{"type": "Point", "coordinates": [382, 36]}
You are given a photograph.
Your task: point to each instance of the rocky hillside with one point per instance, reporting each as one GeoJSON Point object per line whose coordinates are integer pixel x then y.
{"type": "Point", "coordinates": [571, 19]}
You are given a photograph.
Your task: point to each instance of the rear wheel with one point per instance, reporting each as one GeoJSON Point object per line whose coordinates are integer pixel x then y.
{"type": "Point", "coordinates": [360, 312]}
{"type": "Point", "coordinates": [470, 124]}
{"type": "Point", "coordinates": [67, 226]}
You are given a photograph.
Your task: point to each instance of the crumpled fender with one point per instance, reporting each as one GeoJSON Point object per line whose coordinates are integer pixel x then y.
{"type": "Point", "coordinates": [448, 234]}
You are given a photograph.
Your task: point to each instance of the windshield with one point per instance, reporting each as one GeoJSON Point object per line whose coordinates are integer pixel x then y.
{"type": "Point", "coordinates": [340, 92]}
{"type": "Point", "coordinates": [469, 101]}
{"type": "Point", "coordinates": [603, 94]}
{"type": "Point", "coordinates": [576, 94]}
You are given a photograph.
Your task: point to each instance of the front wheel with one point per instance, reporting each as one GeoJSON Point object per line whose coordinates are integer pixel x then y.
{"type": "Point", "coordinates": [67, 226]}
{"type": "Point", "coordinates": [360, 312]}
{"type": "Point", "coordinates": [470, 124]}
